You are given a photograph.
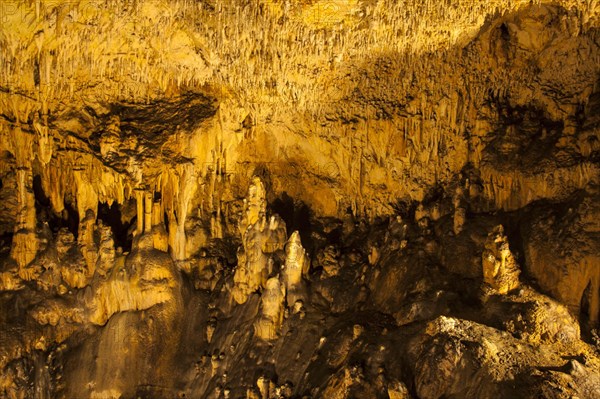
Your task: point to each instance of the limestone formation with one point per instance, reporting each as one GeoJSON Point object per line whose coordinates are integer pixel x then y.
{"type": "Point", "coordinates": [398, 390]}
{"type": "Point", "coordinates": [500, 268]}
{"type": "Point", "coordinates": [159, 233]}
{"type": "Point", "coordinates": [86, 242]}
{"type": "Point", "coordinates": [328, 260]}
{"type": "Point", "coordinates": [25, 242]}
{"type": "Point", "coordinates": [460, 215]}
{"type": "Point", "coordinates": [255, 205]}
{"type": "Point", "coordinates": [148, 278]}
{"type": "Point", "coordinates": [154, 155]}
{"type": "Point", "coordinates": [106, 251]}
{"type": "Point", "coordinates": [295, 268]}
{"type": "Point", "coordinates": [261, 237]}
{"type": "Point", "coordinates": [268, 324]}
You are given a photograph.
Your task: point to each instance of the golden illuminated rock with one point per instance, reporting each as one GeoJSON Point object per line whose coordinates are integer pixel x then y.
{"type": "Point", "coordinates": [154, 155]}
{"type": "Point", "coordinates": [500, 269]}
{"type": "Point", "coordinates": [295, 268]}
{"type": "Point", "coordinates": [272, 305]}
{"type": "Point", "coordinates": [148, 278]}
{"type": "Point", "coordinates": [261, 237]}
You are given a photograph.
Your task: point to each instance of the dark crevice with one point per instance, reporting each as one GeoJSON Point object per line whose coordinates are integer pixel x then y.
{"type": "Point", "coordinates": [112, 216]}
{"type": "Point", "coordinates": [69, 217]}
{"type": "Point", "coordinates": [297, 216]}
{"type": "Point", "coordinates": [585, 311]}
{"type": "Point", "coordinates": [166, 222]}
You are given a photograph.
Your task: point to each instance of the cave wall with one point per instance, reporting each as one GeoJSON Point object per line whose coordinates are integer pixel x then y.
{"type": "Point", "coordinates": [164, 111]}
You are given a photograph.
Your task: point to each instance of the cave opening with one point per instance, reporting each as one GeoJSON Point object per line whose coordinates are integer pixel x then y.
{"type": "Point", "coordinates": [111, 215]}
{"type": "Point", "coordinates": [68, 218]}
{"type": "Point", "coordinates": [6, 233]}
{"type": "Point", "coordinates": [585, 316]}
{"type": "Point", "coordinates": [297, 216]}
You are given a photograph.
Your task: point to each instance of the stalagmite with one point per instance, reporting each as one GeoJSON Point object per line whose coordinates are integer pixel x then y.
{"type": "Point", "coordinates": [147, 212]}
{"type": "Point", "coordinates": [260, 239]}
{"type": "Point", "coordinates": [296, 266]}
{"type": "Point", "coordinates": [106, 252]}
{"type": "Point", "coordinates": [270, 319]}
{"type": "Point", "coordinates": [159, 233]}
{"type": "Point", "coordinates": [500, 268]}
{"type": "Point", "coordinates": [459, 218]}
{"type": "Point", "coordinates": [255, 205]}
{"type": "Point", "coordinates": [139, 201]}
{"type": "Point", "coordinates": [86, 241]}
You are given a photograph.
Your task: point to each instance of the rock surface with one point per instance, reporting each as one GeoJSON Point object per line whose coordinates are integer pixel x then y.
{"type": "Point", "coordinates": [437, 165]}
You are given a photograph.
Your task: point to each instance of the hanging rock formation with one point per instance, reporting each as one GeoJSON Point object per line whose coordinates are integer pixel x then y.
{"type": "Point", "coordinates": [155, 154]}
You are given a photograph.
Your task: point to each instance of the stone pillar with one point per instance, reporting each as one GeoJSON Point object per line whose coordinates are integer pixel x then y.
{"type": "Point", "coordinates": [139, 201]}
{"type": "Point", "coordinates": [147, 212]}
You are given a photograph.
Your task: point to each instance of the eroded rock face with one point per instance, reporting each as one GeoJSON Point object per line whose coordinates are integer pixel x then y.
{"type": "Point", "coordinates": [154, 156]}
{"type": "Point", "coordinates": [561, 252]}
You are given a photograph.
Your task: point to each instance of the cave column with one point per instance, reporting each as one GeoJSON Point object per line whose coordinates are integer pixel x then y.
{"type": "Point", "coordinates": [157, 213]}
{"type": "Point", "coordinates": [148, 212]}
{"type": "Point", "coordinates": [139, 201]}
{"type": "Point", "coordinates": [159, 233]}
{"type": "Point", "coordinates": [187, 183]}
{"type": "Point", "coordinates": [25, 244]}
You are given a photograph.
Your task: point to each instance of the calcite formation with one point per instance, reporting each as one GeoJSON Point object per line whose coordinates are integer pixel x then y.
{"type": "Point", "coordinates": [262, 236]}
{"type": "Point", "coordinates": [500, 268]}
{"type": "Point", "coordinates": [272, 305]}
{"type": "Point", "coordinates": [436, 163]}
{"type": "Point", "coordinates": [296, 267]}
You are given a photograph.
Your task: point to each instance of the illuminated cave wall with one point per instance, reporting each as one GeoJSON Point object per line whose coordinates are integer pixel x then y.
{"type": "Point", "coordinates": [133, 130]}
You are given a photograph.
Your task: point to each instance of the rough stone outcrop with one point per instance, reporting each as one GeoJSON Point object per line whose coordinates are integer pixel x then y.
{"type": "Point", "coordinates": [561, 251]}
